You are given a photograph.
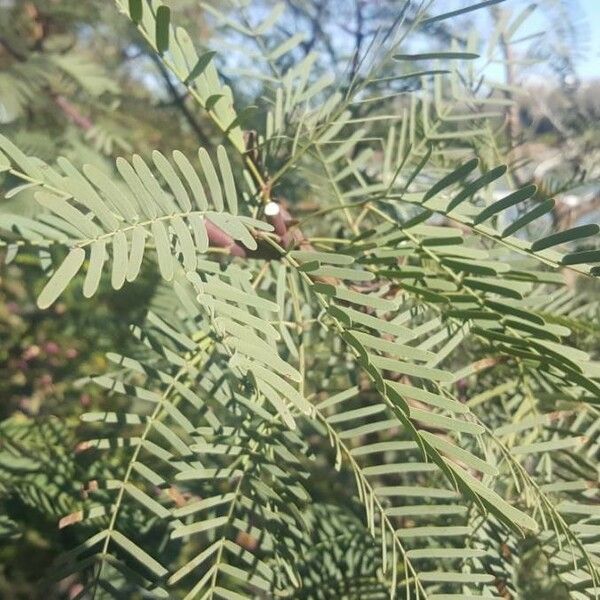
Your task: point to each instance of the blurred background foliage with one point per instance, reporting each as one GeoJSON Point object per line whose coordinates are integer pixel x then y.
{"type": "Point", "coordinates": [76, 80]}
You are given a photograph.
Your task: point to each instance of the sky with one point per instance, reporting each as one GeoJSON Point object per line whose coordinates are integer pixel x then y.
{"type": "Point", "coordinates": [588, 25]}
{"type": "Point", "coordinates": [585, 14]}
{"type": "Point", "coordinates": [590, 66]}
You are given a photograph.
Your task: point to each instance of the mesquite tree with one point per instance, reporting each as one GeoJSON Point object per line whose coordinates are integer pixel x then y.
{"type": "Point", "coordinates": [358, 375]}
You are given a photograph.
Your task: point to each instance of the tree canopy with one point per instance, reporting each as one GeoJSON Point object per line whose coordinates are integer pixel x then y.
{"type": "Point", "coordinates": [296, 305]}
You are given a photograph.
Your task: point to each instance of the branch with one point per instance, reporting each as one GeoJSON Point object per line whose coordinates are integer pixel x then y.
{"type": "Point", "coordinates": [358, 39]}
{"type": "Point", "coordinates": [72, 113]}
{"type": "Point", "coordinates": [179, 101]}
{"type": "Point", "coordinates": [10, 50]}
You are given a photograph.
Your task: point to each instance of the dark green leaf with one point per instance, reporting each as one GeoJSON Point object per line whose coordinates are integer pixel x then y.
{"type": "Point", "coordinates": [475, 186]}
{"type": "Point", "coordinates": [199, 67]}
{"type": "Point", "coordinates": [135, 10]}
{"type": "Point", "coordinates": [460, 11]}
{"type": "Point", "coordinates": [456, 175]}
{"type": "Point", "coordinates": [437, 55]}
{"type": "Point", "coordinates": [163, 22]}
{"type": "Point", "coordinates": [585, 256]}
{"type": "Point", "coordinates": [506, 202]}
{"type": "Point", "coordinates": [570, 235]}
{"type": "Point", "coordinates": [532, 215]}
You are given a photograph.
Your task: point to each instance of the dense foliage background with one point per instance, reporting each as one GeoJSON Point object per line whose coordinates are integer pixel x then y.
{"type": "Point", "coordinates": [78, 80]}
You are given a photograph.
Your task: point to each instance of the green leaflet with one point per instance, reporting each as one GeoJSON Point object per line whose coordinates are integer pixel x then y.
{"type": "Point", "coordinates": [352, 316]}
{"type": "Point", "coordinates": [110, 191]}
{"type": "Point", "coordinates": [68, 213]}
{"type": "Point", "coordinates": [465, 578]}
{"type": "Point", "coordinates": [451, 424]}
{"type": "Point", "coordinates": [435, 532]}
{"type": "Point", "coordinates": [283, 387]}
{"type": "Point", "coordinates": [426, 294]}
{"type": "Point", "coordinates": [192, 179]}
{"type": "Point", "coordinates": [214, 186]}
{"type": "Point", "coordinates": [242, 119]}
{"type": "Point", "coordinates": [393, 348]}
{"type": "Point", "coordinates": [151, 185]}
{"type": "Point", "coordinates": [394, 468]}
{"type": "Point", "coordinates": [166, 170]}
{"type": "Point", "coordinates": [550, 446]}
{"type": "Point", "coordinates": [111, 417]}
{"type": "Point", "coordinates": [242, 316]}
{"type": "Point", "coordinates": [337, 398]}
{"type": "Point", "coordinates": [138, 553]}
{"type": "Point", "coordinates": [427, 397]}
{"type": "Point", "coordinates": [61, 277]}
{"type": "Point", "coordinates": [505, 308]}
{"type": "Point", "coordinates": [198, 527]}
{"type": "Point", "coordinates": [147, 502]}
{"type": "Point", "coordinates": [264, 354]}
{"type": "Point", "coordinates": [458, 453]}
{"type": "Point", "coordinates": [287, 46]}
{"type": "Point", "coordinates": [492, 287]}
{"type": "Point", "coordinates": [475, 186]}
{"type": "Point", "coordinates": [163, 24]}
{"type": "Point", "coordinates": [135, 10]}
{"type": "Point", "coordinates": [278, 404]}
{"type": "Point", "coordinates": [359, 413]}
{"type": "Point", "coordinates": [577, 258]}
{"type": "Point", "coordinates": [309, 267]}
{"type": "Point", "coordinates": [437, 55]}
{"type": "Point", "coordinates": [163, 249]}
{"type": "Point", "coordinates": [246, 577]}
{"type": "Point", "coordinates": [511, 514]}
{"type": "Point", "coordinates": [426, 510]}
{"type": "Point", "coordinates": [195, 562]}
{"type": "Point", "coordinates": [457, 175]}
{"type": "Point", "coordinates": [383, 447]}
{"type": "Point", "coordinates": [200, 66]}
{"type": "Point", "coordinates": [322, 257]}
{"type": "Point", "coordinates": [234, 228]}
{"type": "Point", "coordinates": [220, 289]}
{"type": "Point", "coordinates": [4, 163]}
{"type": "Point", "coordinates": [181, 338]}
{"type": "Point", "coordinates": [455, 13]}
{"type": "Point", "coordinates": [274, 15]}
{"type": "Point", "coordinates": [369, 300]}
{"type": "Point", "coordinates": [120, 260]}
{"type": "Point", "coordinates": [85, 194]}
{"type": "Point", "coordinates": [94, 272]}
{"type": "Point", "coordinates": [448, 241]}
{"type": "Point", "coordinates": [420, 371]}
{"type": "Point", "coordinates": [198, 227]}
{"type": "Point", "coordinates": [228, 181]}
{"type": "Point", "coordinates": [89, 543]}
{"type": "Point", "coordinates": [136, 255]}
{"type": "Point", "coordinates": [134, 183]}
{"type": "Point", "coordinates": [24, 162]}
{"type": "Point", "coordinates": [212, 100]}
{"type": "Point", "coordinates": [207, 474]}
{"type": "Point", "coordinates": [341, 273]}
{"type": "Point", "coordinates": [534, 214]}
{"type": "Point", "coordinates": [447, 553]}
{"type": "Point", "coordinates": [411, 491]}
{"type": "Point", "coordinates": [506, 202]}
{"type": "Point", "coordinates": [480, 267]}
{"type": "Point", "coordinates": [186, 243]}
{"type": "Point", "coordinates": [570, 235]}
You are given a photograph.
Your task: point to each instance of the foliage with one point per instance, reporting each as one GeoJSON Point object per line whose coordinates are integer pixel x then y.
{"type": "Point", "coordinates": [354, 366]}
